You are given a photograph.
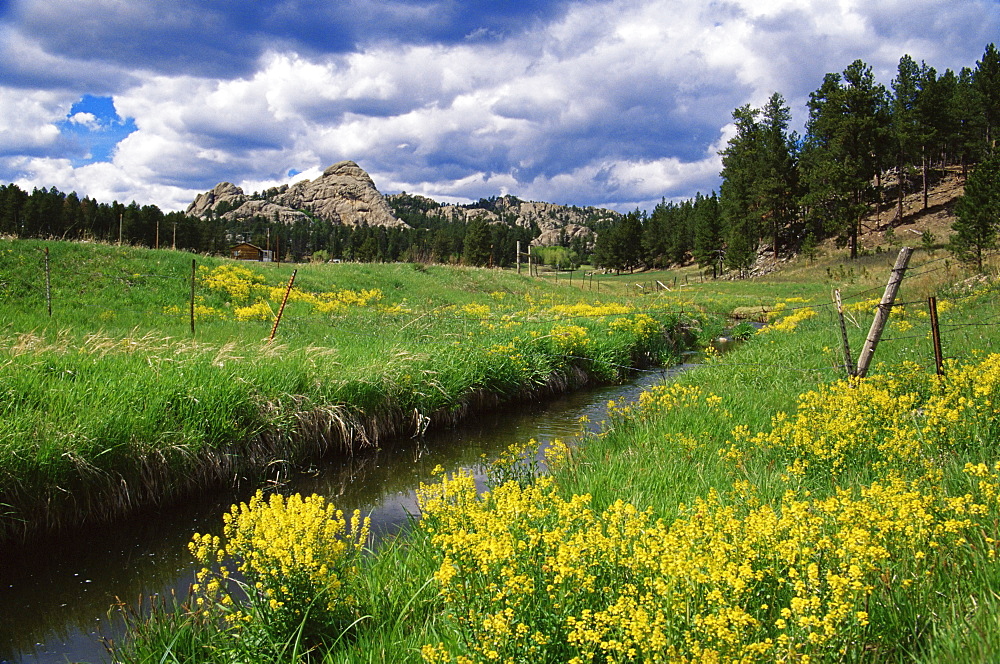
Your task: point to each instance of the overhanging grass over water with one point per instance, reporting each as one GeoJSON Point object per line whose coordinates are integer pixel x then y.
{"type": "Point", "coordinates": [111, 403]}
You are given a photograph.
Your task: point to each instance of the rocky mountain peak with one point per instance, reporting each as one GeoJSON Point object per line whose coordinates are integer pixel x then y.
{"type": "Point", "coordinates": [348, 169]}
{"type": "Point", "coordinates": [344, 194]}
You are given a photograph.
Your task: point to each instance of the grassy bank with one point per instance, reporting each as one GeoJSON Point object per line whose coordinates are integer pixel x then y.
{"type": "Point", "coordinates": [761, 508]}
{"type": "Point", "coordinates": [111, 402]}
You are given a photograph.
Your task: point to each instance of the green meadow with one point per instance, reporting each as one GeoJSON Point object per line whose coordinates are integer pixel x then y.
{"type": "Point", "coordinates": [111, 402]}
{"type": "Point", "coordinates": [762, 507]}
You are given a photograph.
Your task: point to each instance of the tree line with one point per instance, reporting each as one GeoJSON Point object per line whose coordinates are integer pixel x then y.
{"type": "Point", "coordinates": [865, 147]}
{"type": "Point", "coordinates": [50, 213]}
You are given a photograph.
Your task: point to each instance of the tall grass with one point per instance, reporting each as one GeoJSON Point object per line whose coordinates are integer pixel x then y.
{"type": "Point", "coordinates": [111, 403]}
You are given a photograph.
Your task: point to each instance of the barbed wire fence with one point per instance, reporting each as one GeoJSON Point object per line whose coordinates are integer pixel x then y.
{"type": "Point", "coordinates": [39, 283]}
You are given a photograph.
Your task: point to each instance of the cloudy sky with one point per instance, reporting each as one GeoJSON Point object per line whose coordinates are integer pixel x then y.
{"type": "Point", "coordinates": [616, 103]}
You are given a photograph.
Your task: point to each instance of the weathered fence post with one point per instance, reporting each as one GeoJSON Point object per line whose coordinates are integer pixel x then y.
{"type": "Point", "coordinates": [281, 310]}
{"type": "Point", "coordinates": [848, 364]}
{"type": "Point", "coordinates": [193, 261]}
{"type": "Point", "coordinates": [936, 335]}
{"type": "Point", "coordinates": [884, 309]}
{"type": "Point", "coordinates": [48, 283]}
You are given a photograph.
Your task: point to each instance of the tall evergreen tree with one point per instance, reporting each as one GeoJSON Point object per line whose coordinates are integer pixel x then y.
{"type": "Point", "coordinates": [844, 148]}
{"type": "Point", "coordinates": [656, 234]}
{"type": "Point", "coordinates": [932, 113]}
{"type": "Point", "coordinates": [619, 247]}
{"type": "Point", "coordinates": [978, 212]}
{"type": "Point", "coordinates": [738, 194]}
{"type": "Point", "coordinates": [707, 243]}
{"type": "Point", "coordinates": [904, 126]}
{"type": "Point", "coordinates": [477, 244]}
{"type": "Point", "coordinates": [966, 109]}
{"type": "Point", "coordinates": [987, 79]}
{"type": "Point", "coordinates": [778, 175]}
{"type": "Point", "coordinates": [758, 197]}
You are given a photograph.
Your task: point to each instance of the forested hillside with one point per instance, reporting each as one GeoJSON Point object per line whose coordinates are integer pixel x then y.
{"type": "Point", "coordinates": [866, 147]}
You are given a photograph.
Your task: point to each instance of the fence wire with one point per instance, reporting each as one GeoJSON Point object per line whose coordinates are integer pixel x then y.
{"type": "Point", "coordinates": [26, 284]}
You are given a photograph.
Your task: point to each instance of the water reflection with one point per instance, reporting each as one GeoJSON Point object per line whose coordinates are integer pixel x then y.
{"type": "Point", "coordinates": [55, 594]}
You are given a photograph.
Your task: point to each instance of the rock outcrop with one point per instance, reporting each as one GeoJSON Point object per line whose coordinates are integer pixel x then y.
{"type": "Point", "coordinates": [567, 233]}
{"type": "Point", "coordinates": [344, 194]}
{"type": "Point", "coordinates": [555, 222]}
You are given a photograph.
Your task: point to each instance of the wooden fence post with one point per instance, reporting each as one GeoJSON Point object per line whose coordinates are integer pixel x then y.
{"type": "Point", "coordinates": [884, 309]}
{"type": "Point", "coordinates": [936, 335]}
{"type": "Point", "coordinates": [281, 310]}
{"type": "Point", "coordinates": [848, 364]}
{"type": "Point", "coordinates": [48, 283]}
{"type": "Point", "coordinates": [192, 295]}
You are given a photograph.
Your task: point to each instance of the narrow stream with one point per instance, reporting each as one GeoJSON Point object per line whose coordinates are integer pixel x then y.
{"type": "Point", "coordinates": [55, 595]}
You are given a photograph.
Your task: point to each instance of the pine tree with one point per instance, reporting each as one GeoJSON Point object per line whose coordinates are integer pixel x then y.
{"type": "Point", "coordinates": [778, 176]}
{"type": "Point", "coordinates": [476, 250]}
{"type": "Point", "coordinates": [844, 148]}
{"type": "Point", "coordinates": [656, 233]}
{"type": "Point", "coordinates": [758, 197]}
{"type": "Point", "coordinates": [619, 246]}
{"type": "Point", "coordinates": [707, 245]}
{"type": "Point", "coordinates": [932, 113]}
{"type": "Point", "coordinates": [904, 126]}
{"type": "Point", "coordinates": [966, 108]}
{"type": "Point", "coordinates": [978, 212]}
{"type": "Point", "coordinates": [987, 78]}
{"type": "Point", "coordinates": [738, 196]}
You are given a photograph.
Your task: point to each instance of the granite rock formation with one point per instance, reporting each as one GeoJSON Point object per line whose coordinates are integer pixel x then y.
{"type": "Point", "coordinates": [344, 194]}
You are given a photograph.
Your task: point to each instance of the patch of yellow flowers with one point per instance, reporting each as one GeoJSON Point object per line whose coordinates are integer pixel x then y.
{"type": "Point", "coordinates": [588, 310]}
{"type": "Point", "coordinates": [252, 299]}
{"type": "Point", "coordinates": [570, 340]}
{"type": "Point", "coordinates": [296, 559]}
{"type": "Point", "coordinates": [783, 319]}
{"type": "Point", "coordinates": [905, 423]}
{"type": "Point", "coordinates": [642, 326]}
{"type": "Point", "coordinates": [528, 574]}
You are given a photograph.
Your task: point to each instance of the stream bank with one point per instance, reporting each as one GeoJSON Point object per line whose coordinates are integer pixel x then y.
{"type": "Point", "coordinates": [55, 593]}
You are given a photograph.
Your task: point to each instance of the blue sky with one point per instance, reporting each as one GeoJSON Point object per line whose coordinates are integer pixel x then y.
{"type": "Point", "coordinates": [616, 103]}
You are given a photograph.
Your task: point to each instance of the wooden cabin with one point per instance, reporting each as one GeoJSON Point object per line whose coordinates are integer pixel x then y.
{"type": "Point", "coordinates": [244, 251]}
